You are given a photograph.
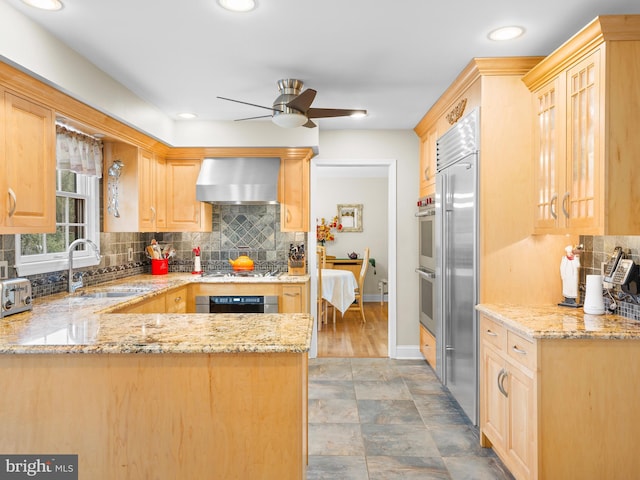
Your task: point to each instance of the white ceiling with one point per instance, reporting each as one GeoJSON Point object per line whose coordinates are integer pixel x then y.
{"type": "Point", "coordinates": [393, 58]}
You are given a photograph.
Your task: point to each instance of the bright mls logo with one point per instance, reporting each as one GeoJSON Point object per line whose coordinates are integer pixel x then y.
{"type": "Point", "coordinates": [49, 467]}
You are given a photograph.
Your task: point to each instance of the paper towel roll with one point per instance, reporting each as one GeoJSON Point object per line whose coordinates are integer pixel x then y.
{"type": "Point", "coordinates": [593, 300]}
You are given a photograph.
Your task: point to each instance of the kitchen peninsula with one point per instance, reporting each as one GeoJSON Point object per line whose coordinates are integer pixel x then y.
{"type": "Point", "coordinates": [558, 391]}
{"type": "Point", "coordinates": [157, 395]}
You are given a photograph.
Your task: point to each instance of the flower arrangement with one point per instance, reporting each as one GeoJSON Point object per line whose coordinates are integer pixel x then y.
{"type": "Point", "coordinates": [324, 230]}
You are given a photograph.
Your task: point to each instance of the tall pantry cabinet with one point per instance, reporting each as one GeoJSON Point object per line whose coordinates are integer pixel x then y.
{"type": "Point", "coordinates": [586, 103]}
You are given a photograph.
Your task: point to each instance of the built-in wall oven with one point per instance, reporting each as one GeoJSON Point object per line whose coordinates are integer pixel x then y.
{"type": "Point", "coordinates": [427, 262]}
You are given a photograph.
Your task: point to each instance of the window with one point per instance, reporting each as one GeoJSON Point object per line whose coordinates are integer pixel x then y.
{"type": "Point", "coordinates": [77, 216]}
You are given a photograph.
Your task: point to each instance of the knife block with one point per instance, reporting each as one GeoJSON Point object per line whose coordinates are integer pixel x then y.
{"type": "Point", "coordinates": [296, 267]}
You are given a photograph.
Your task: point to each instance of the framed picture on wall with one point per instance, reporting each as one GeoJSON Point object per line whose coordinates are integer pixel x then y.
{"type": "Point", "coordinates": [350, 216]}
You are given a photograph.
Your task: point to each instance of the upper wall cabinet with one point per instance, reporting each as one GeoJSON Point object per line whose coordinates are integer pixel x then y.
{"type": "Point", "coordinates": [154, 194]}
{"type": "Point", "coordinates": [586, 96]}
{"type": "Point", "coordinates": [293, 190]}
{"type": "Point", "coordinates": [27, 166]}
{"type": "Point", "coordinates": [184, 212]}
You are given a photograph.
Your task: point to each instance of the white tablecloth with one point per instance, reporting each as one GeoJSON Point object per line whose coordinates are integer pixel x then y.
{"type": "Point", "coordinates": [338, 288]}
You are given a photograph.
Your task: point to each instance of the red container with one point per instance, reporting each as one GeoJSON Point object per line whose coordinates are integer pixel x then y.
{"type": "Point", "coordinates": [160, 267]}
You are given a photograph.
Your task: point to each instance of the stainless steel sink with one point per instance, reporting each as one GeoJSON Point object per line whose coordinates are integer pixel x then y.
{"type": "Point", "coordinates": [109, 294]}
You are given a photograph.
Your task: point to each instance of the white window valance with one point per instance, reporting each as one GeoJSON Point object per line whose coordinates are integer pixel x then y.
{"type": "Point", "coordinates": [78, 152]}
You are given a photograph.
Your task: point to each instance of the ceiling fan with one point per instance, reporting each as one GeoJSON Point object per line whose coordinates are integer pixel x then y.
{"type": "Point", "coordinates": [293, 109]}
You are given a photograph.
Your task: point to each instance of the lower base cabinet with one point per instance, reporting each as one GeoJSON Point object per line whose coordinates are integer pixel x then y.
{"type": "Point", "coordinates": [559, 408]}
{"type": "Point", "coordinates": [428, 346]}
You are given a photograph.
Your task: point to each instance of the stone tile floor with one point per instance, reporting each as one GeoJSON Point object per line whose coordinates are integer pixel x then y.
{"type": "Point", "coordinates": [390, 419]}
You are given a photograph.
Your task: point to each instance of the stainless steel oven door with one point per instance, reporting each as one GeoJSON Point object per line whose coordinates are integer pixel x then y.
{"type": "Point", "coordinates": [427, 296]}
{"type": "Point", "coordinates": [426, 238]}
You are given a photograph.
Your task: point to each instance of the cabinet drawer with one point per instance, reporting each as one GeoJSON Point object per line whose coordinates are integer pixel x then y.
{"type": "Point", "coordinates": [522, 350]}
{"type": "Point", "coordinates": [493, 333]}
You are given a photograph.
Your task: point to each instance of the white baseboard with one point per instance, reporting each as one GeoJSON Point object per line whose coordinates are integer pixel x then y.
{"type": "Point", "coordinates": [372, 297]}
{"type": "Point", "coordinates": [408, 352]}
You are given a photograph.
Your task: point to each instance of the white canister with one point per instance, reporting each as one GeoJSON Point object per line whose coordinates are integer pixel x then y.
{"type": "Point", "coordinates": [593, 300]}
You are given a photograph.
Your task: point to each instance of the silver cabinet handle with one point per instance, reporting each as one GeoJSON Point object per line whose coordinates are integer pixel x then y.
{"type": "Point", "coordinates": [291, 294]}
{"type": "Point", "coordinates": [501, 377]}
{"type": "Point", "coordinates": [554, 201]}
{"type": "Point", "coordinates": [565, 197]}
{"type": "Point", "coordinates": [153, 214]}
{"type": "Point", "coordinates": [519, 350]}
{"type": "Point", "coordinates": [491, 334]}
{"type": "Point", "coordinates": [177, 299]}
{"type": "Point", "coordinates": [12, 194]}
{"type": "Point", "coordinates": [425, 273]}
{"type": "Point", "coordinates": [426, 173]}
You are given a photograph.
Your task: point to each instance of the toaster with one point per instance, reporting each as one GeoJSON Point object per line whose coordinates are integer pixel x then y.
{"type": "Point", "coordinates": [15, 296]}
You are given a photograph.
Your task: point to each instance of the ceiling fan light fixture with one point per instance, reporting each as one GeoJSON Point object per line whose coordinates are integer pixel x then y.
{"type": "Point", "coordinates": [359, 114]}
{"type": "Point", "coordinates": [238, 5]}
{"type": "Point", "coordinates": [51, 5]}
{"type": "Point", "coordinates": [506, 33]}
{"type": "Point", "coordinates": [289, 120]}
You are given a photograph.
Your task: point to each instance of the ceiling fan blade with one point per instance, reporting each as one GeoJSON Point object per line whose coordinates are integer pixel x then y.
{"type": "Point", "coordinates": [309, 124]}
{"type": "Point", "coordinates": [252, 118]}
{"type": "Point", "coordinates": [303, 101]}
{"type": "Point", "coordinates": [331, 112]}
{"type": "Point", "coordinates": [252, 104]}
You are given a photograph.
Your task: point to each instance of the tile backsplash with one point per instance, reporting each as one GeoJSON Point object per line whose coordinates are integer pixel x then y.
{"type": "Point", "coordinates": [253, 230]}
{"type": "Point", "coordinates": [597, 249]}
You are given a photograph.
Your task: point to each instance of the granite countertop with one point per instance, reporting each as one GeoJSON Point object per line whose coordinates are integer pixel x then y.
{"type": "Point", "coordinates": [552, 321]}
{"type": "Point", "coordinates": [76, 323]}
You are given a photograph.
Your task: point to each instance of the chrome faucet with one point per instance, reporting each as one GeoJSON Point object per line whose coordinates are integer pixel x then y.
{"type": "Point", "coordinates": [73, 286]}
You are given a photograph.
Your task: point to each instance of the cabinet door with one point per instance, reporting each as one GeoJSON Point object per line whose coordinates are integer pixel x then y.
{"type": "Point", "coordinates": [581, 202]}
{"type": "Point", "coordinates": [294, 194]}
{"type": "Point", "coordinates": [291, 300]}
{"type": "Point", "coordinates": [156, 304]}
{"type": "Point", "coordinates": [549, 158]}
{"type": "Point", "coordinates": [148, 212]}
{"type": "Point", "coordinates": [176, 301]}
{"type": "Point", "coordinates": [28, 167]}
{"type": "Point", "coordinates": [428, 156]}
{"type": "Point", "coordinates": [521, 421]}
{"type": "Point", "coordinates": [428, 346]}
{"type": "Point", "coordinates": [184, 212]}
{"type": "Point", "coordinates": [493, 402]}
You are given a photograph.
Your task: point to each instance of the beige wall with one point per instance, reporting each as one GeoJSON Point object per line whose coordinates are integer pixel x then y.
{"type": "Point", "coordinates": [401, 145]}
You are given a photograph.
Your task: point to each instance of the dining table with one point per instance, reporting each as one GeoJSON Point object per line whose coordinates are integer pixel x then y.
{"type": "Point", "coordinates": [339, 288]}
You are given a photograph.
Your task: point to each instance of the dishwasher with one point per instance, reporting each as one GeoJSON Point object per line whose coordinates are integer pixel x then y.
{"type": "Point", "coordinates": [237, 304]}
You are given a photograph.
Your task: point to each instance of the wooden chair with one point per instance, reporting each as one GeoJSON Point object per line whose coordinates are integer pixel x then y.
{"type": "Point", "coordinates": [360, 289]}
{"type": "Point", "coordinates": [321, 255]}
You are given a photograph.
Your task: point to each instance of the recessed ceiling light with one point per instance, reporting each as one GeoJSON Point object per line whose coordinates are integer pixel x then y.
{"type": "Point", "coordinates": [238, 5]}
{"type": "Point", "coordinates": [506, 33]}
{"type": "Point", "coordinates": [187, 115]}
{"type": "Point", "coordinates": [52, 5]}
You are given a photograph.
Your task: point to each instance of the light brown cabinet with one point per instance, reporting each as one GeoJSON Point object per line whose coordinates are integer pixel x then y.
{"type": "Point", "coordinates": [507, 401]}
{"type": "Point", "coordinates": [293, 191]}
{"type": "Point", "coordinates": [176, 300]}
{"type": "Point", "coordinates": [428, 156]}
{"type": "Point", "coordinates": [585, 153]}
{"type": "Point", "coordinates": [428, 346]}
{"type": "Point", "coordinates": [558, 406]}
{"type": "Point", "coordinates": [155, 194]}
{"type": "Point", "coordinates": [27, 166]}
{"type": "Point", "coordinates": [184, 212]}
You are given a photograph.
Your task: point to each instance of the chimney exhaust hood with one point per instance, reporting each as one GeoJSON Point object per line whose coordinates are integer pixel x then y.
{"type": "Point", "coordinates": [238, 180]}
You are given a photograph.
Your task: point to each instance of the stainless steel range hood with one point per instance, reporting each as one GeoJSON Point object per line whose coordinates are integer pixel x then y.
{"type": "Point", "coordinates": [245, 180]}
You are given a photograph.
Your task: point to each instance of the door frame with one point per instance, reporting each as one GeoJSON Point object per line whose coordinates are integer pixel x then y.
{"type": "Point", "coordinates": [391, 168]}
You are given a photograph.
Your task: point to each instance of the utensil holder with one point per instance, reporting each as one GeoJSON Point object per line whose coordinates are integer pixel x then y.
{"type": "Point", "coordinates": [159, 267]}
{"type": "Point", "coordinates": [296, 267]}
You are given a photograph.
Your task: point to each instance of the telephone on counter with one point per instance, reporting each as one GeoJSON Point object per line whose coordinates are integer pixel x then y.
{"type": "Point", "coordinates": [611, 264]}
{"type": "Point", "coordinates": [621, 271]}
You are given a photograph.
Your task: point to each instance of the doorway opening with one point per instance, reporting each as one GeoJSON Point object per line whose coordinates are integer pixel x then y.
{"type": "Point", "coordinates": [372, 184]}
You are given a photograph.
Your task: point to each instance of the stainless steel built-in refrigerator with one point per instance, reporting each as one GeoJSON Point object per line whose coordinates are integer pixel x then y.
{"type": "Point", "coordinates": [457, 261]}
